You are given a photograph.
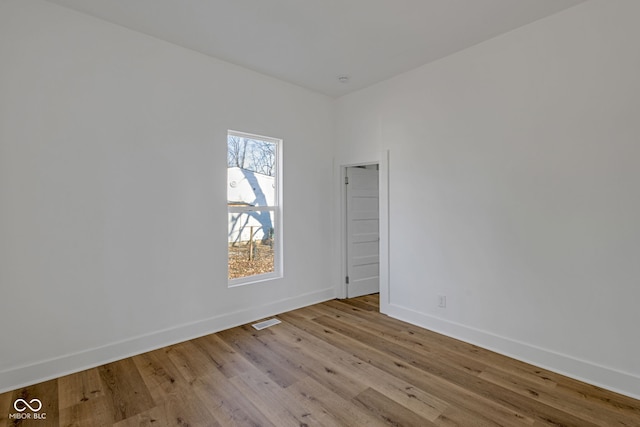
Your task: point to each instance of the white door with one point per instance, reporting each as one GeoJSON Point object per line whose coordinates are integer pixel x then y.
{"type": "Point", "coordinates": [363, 237]}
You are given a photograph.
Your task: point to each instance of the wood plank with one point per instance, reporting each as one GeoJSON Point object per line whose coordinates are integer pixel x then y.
{"type": "Point", "coordinates": [314, 363]}
{"type": "Point", "coordinates": [598, 397]}
{"type": "Point", "coordinates": [225, 358]}
{"type": "Point", "coordinates": [6, 407]}
{"type": "Point", "coordinates": [227, 404]}
{"type": "Point", "coordinates": [190, 362]}
{"type": "Point", "coordinates": [94, 411]}
{"type": "Point", "coordinates": [389, 411]}
{"type": "Point", "coordinates": [356, 370]}
{"type": "Point", "coordinates": [212, 388]}
{"type": "Point", "coordinates": [126, 391]}
{"type": "Point", "coordinates": [393, 336]}
{"type": "Point", "coordinates": [458, 375]}
{"type": "Point", "coordinates": [461, 377]}
{"type": "Point", "coordinates": [432, 384]}
{"type": "Point", "coordinates": [565, 388]}
{"type": "Point", "coordinates": [154, 417]}
{"type": "Point", "coordinates": [47, 393]}
{"type": "Point", "coordinates": [372, 299]}
{"type": "Point", "coordinates": [362, 304]}
{"type": "Point", "coordinates": [175, 410]}
{"type": "Point", "coordinates": [79, 388]}
{"type": "Point", "coordinates": [563, 401]}
{"type": "Point", "coordinates": [338, 411]}
{"type": "Point", "coordinates": [274, 364]}
{"type": "Point", "coordinates": [161, 377]}
{"type": "Point", "coordinates": [335, 363]}
{"type": "Point", "coordinates": [456, 416]}
{"type": "Point", "coordinates": [273, 401]}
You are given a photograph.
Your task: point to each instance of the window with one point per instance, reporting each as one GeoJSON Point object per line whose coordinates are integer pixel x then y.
{"type": "Point", "coordinates": [253, 203]}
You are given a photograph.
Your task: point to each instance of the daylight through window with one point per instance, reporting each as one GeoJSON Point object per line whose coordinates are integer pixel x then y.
{"type": "Point", "coordinates": [253, 201]}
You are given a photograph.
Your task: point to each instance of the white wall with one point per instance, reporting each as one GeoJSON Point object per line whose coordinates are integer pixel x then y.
{"type": "Point", "coordinates": [113, 192]}
{"type": "Point", "coordinates": [513, 188]}
{"type": "Point", "coordinates": [513, 169]}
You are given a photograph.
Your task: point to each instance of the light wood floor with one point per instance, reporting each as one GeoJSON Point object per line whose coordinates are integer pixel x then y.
{"type": "Point", "coordinates": [332, 364]}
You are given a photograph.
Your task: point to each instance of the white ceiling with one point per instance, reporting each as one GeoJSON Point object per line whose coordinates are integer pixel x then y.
{"type": "Point", "coordinates": [312, 42]}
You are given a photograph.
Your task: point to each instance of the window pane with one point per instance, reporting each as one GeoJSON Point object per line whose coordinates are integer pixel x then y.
{"type": "Point", "coordinates": [251, 243]}
{"type": "Point", "coordinates": [251, 171]}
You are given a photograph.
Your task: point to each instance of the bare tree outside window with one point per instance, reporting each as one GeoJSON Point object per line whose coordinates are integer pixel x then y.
{"type": "Point", "coordinates": [251, 154]}
{"type": "Point", "coordinates": [253, 206]}
{"type": "Point", "coordinates": [236, 151]}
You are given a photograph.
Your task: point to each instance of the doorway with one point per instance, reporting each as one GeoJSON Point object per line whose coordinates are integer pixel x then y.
{"type": "Point", "coordinates": [362, 230]}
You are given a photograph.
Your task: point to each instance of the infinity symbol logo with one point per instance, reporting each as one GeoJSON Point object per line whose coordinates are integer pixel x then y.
{"type": "Point", "coordinates": [26, 405]}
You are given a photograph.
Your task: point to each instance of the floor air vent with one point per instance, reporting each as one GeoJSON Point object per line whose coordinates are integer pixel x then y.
{"type": "Point", "coordinates": [265, 324]}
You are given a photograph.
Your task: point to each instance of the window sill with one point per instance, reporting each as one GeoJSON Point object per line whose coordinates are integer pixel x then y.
{"type": "Point", "coordinates": [250, 280]}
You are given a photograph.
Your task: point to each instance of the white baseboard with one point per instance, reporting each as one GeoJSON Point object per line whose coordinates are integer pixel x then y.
{"type": "Point", "coordinates": [582, 370]}
{"type": "Point", "coordinates": [44, 370]}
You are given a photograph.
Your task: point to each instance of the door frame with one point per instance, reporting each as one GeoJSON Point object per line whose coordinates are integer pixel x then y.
{"type": "Point", "coordinates": [383, 205]}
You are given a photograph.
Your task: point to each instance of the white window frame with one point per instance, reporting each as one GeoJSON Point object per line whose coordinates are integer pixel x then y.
{"type": "Point", "coordinates": [277, 272]}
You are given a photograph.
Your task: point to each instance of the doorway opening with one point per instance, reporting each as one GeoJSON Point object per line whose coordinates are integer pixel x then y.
{"type": "Point", "coordinates": [361, 213]}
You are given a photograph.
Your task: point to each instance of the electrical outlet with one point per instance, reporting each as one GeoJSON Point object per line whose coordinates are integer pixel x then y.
{"type": "Point", "coordinates": [442, 301]}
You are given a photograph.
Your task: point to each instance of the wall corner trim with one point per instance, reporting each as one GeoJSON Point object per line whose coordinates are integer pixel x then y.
{"type": "Point", "coordinates": [22, 376]}
{"type": "Point", "coordinates": [601, 376]}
